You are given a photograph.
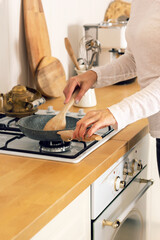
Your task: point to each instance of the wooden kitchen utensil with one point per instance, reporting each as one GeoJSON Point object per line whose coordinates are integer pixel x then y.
{"type": "Point", "coordinates": [47, 70]}
{"type": "Point", "coordinates": [36, 33]}
{"type": "Point", "coordinates": [71, 52]}
{"type": "Point", "coordinates": [59, 121]}
{"type": "Point", "coordinates": [117, 9]}
{"type": "Point", "coordinates": [67, 136]}
{"type": "Point", "coordinates": [50, 77]}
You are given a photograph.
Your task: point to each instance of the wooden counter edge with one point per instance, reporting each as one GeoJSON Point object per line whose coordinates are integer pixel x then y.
{"type": "Point", "coordinates": [38, 223]}
{"type": "Point", "coordinates": [59, 205]}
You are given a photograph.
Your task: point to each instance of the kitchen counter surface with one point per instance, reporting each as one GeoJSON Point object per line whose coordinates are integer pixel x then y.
{"type": "Point", "coordinates": [33, 191]}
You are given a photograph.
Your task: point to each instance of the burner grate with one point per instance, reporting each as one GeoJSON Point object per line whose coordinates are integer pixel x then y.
{"type": "Point", "coordinates": [55, 147]}
{"type": "Point", "coordinates": [14, 142]}
{"type": "Point", "coordinates": [10, 125]}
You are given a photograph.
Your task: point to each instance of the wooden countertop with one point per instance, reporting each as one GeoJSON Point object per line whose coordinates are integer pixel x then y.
{"type": "Point", "coordinates": [33, 191]}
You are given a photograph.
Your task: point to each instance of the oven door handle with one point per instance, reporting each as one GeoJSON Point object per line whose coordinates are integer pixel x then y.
{"type": "Point", "coordinates": [120, 219]}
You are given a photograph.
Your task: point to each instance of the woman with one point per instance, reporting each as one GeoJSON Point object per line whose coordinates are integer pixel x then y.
{"type": "Point", "coordinates": [142, 59]}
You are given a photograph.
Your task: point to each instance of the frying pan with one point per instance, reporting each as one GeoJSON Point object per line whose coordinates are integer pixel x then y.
{"type": "Point", "coordinates": [32, 127]}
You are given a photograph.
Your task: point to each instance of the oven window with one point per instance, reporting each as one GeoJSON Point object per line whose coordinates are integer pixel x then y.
{"type": "Point", "coordinates": [131, 228]}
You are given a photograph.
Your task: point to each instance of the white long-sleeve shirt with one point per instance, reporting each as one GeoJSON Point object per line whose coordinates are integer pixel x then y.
{"type": "Point", "coordinates": [141, 59]}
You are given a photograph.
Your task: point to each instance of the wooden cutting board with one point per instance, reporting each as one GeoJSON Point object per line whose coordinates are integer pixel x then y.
{"type": "Point", "coordinates": [116, 9]}
{"type": "Point", "coordinates": [36, 33]}
{"type": "Point", "coordinates": [48, 71]}
{"type": "Point", "coordinates": [50, 77]}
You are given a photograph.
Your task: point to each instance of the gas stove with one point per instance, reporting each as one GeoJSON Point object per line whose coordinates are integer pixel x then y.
{"type": "Point", "coordinates": [14, 142]}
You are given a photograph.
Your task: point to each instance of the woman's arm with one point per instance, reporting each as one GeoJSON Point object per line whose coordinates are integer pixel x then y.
{"type": "Point", "coordinates": [122, 68]}
{"type": "Point", "coordinates": [140, 105]}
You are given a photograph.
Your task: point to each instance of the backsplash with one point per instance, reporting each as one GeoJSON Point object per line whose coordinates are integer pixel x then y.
{"type": "Point", "coordinates": [13, 67]}
{"type": "Point", "coordinates": [64, 19]}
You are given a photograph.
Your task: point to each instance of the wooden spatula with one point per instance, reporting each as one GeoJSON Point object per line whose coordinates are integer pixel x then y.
{"type": "Point", "coordinates": [67, 136]}
{"type": "Point", "coordinates": [71, 52]}
{"type": "Point", "coordinates": [59, 121]}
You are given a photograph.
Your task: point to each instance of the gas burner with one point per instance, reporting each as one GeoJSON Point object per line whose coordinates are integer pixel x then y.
{"type": "Point", "coordinates": [14, 142]}
{"type": "Point", "coordinates": [55, 147]}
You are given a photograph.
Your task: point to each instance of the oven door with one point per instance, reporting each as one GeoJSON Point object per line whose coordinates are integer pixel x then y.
{"type": "Point", "coordinates": [125, 217]}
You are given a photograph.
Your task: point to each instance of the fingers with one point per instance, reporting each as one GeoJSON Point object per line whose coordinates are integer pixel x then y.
{"type": "Point", "coordinates": [86, 122]}
{"type": "Point", "coordinates": [80, 94]}
{"type": "Point", "coordinates": [70, 87]}
{"type": "Point", "coordinates": [93, 121]}
{"type": "Point", "coordinates": [81, 128]}
{"type": "Point", "coordinates": [83, 81]}
{"type": "Point", "coordinates": [95, 127]}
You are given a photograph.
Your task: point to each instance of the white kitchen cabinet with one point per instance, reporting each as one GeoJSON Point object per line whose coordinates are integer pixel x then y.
{"type": "Point", "coordinates": [72, 223]}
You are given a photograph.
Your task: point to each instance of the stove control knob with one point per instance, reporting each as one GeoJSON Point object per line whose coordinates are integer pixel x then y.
{"type": "Point", "coordinates": [139, 165]}
{"type": "Point", "coordinates": [68, 113]}
{"type": "Point", "coordinates": [125, 169]}
{"type": "Point", "coordinates": [50, 109]}
{"type": "Point", "coordinates": [81, 112]}
{"type": "Point", "coordinates": [119, 184]}
{"type": "Point", "coordinates": [132, 167]}
{"type": "Point", "coordinates": [135, 165]}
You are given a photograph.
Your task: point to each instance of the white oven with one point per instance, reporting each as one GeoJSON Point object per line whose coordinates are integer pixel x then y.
{"type": "Point", "coordinates": [118, 197]}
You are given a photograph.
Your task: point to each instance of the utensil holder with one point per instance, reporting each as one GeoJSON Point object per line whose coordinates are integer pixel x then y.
{"type": "Point", "coordinates": [89, 98]}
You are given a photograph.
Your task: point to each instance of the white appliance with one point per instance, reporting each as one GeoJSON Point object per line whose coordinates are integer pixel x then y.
{"type": "Point", "coordinates": [112, 39]}
{"type": "Point", "coordinates": [118, 199]}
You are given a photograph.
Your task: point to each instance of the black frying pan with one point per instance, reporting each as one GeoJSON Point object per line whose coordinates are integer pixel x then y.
{"type": "Point", "coordinates": [32, 127]}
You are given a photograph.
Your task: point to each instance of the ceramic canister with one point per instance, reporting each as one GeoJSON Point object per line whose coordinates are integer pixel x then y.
{"type": "Point", "coordinates": [89, 98]}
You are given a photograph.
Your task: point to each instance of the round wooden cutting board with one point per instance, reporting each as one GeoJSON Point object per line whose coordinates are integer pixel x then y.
{"type": "Point", "coordinates": [50, 77]}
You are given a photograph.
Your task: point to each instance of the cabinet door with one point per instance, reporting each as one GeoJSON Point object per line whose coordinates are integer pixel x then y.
{"type": "Point", "coordinates": [71, 223]}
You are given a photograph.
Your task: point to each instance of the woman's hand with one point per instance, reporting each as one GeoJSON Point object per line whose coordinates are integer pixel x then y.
{"type": "Point", "coordinates": [83, 81]}
{"type": "Point", "coordinates": [93, 120]}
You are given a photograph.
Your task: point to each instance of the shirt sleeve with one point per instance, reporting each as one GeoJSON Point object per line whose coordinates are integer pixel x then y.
{"type": "Point", "coordinates": [142, 104]}
{"type": "Point", "coordinates": [122, 68]}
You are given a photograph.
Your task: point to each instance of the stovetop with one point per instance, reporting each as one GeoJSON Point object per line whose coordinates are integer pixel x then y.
{"type": "Point", "coordinates": [14, 142]}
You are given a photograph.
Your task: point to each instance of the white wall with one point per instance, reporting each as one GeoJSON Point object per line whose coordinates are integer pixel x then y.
{"type": "Point", "coordinates": [64, 19]}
